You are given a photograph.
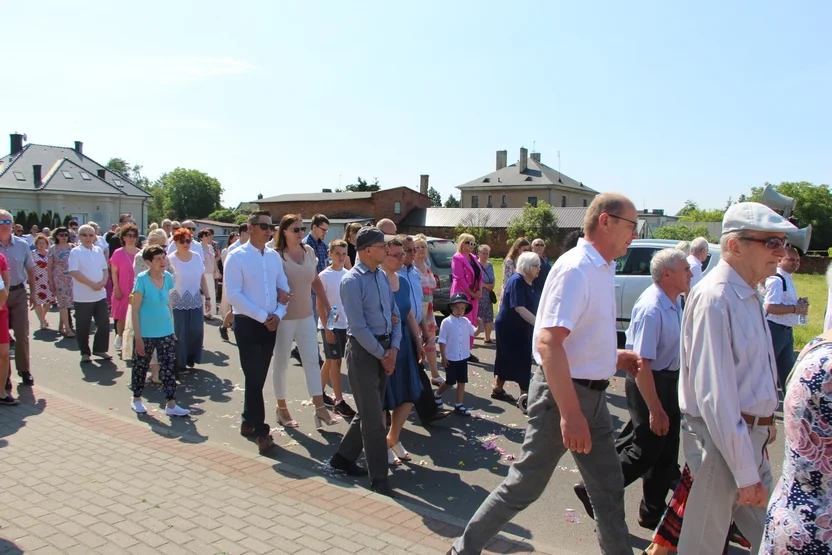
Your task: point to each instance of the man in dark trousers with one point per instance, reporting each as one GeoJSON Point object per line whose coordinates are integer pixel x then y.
{"type": "Point", "coordinates": [374, 333]}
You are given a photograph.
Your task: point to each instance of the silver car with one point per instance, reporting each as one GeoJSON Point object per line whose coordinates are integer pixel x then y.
{"type": "Point", "coordinates": [441, 251]}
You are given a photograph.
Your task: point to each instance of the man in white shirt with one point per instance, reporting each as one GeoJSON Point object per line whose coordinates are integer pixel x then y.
{"type": "Point", "coordinates": [698, 254]}
{"type": "Point", "coordinates": [575, 346]}
{"type": "Point", "coordinates": [33, 232]}
{"type": "Point", "coordinates": [782, 311]}
{"type": "Point", "coordinates": [89, 270]}
{"type": "Point", "coordinates": [728, 383]}
{"type": "Point", "coordinates": [258, 291]}
{"type": "Point", "coordinates": [195, 246]}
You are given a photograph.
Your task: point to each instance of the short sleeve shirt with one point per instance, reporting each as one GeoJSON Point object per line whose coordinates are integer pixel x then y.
{"type": "Point", "coordinates": [155, 319]}
{"type": "Point", "coordinates": [93, 265]}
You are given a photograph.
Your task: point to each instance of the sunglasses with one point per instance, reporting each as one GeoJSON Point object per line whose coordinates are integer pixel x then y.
{"type": "Point", "coordinates": [265, 226]}
{"type": "Point", "coordinates": [298, 229]}
{"type": "Point", "coordinates": [130, 235]}
{"type": "Point", "coordinates": [63, 234]}
{"type": "Point", "coordinates": [191, 228]}
{"type": "Point", "coordinates": [5, 222]}
{"type": "Point", "coordinates": [470, 243]}
{"type": "Point", "coordinates": [184, 241]}
{"type": "Point", "coordinates": [772, 243]}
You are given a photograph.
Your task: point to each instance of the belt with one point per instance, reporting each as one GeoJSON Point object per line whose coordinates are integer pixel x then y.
{"type": "Point", "coordinates": [383, 338]}
{"type": "Point", "coordinates": [781, 325]}
{"type": "Point", "coordinates": [16, 287]}
{"type": "Point", "coordinates": [758, 420]}
{"type": "Point", "coordinates": [597, 385]}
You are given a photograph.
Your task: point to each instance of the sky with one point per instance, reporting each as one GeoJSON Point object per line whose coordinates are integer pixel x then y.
{"type": "Point", "coordinates": [662, 101]}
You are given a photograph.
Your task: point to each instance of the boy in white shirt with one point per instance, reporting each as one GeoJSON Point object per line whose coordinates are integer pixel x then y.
{"type": "Point", "coordinates": [455, 348]}
{"type": "Point", "coordinates": [334, 340]}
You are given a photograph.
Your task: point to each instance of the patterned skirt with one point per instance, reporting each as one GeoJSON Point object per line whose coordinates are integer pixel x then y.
{"type": "Point", "coordinates": [486, 308]}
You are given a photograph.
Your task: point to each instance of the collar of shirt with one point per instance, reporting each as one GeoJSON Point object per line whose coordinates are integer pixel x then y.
{"type": "Point", "coordinates": [7, 243]}
{"type": "Point", "coordinates": [666, 302]}
{"type": "Point", "coordinates": [592, 253]}
{"type": "Point", "coordinates": [740, 287]}
{"type": "Point", "coordinates": [362, 269]}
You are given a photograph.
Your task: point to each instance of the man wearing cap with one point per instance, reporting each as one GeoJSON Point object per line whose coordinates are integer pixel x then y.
{"type": "Point", "coordinates": [374, 333]}
{"type": "Point", "coordinates": [728, 383]}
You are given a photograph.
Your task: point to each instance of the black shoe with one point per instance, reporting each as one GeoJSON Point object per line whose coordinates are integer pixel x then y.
{"type": "Point", "coordinates": [26, 378]}
{"type": "Point", "coordinates": [8, 384]}
{"type": "Point", "coordinates": [329, 402]}
{"type": "Point", "coordinates": [382, 487]}
{"type": "Point", "coordinates": [295, 354]}
{"type": "Point", "coordinates": [247, 430]}
{"type": "Point", "coordinates": [224, 333]}
{"type": "Point", "coordinates": [437, 416]}
{"type": "Point", "coordinates": [9, 400]}
{"type": "Point", "coordinates": [344, 409]}
{"type": "Point", "coordinates": [338, 462]}
{"type": "Point", "coordinates": [649, 523]}
{"type": "Point", "coordinates": [583, 497]}
{"type": "Point", "coordinates": [472, 358]}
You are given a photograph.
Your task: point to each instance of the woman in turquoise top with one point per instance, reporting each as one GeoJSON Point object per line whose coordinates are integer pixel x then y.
{"type": "Point", "coordinates": [153, 328]}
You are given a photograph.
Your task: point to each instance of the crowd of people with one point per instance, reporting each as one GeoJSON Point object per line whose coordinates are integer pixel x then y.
{"type": "Point", "coordinates": [707, 356]}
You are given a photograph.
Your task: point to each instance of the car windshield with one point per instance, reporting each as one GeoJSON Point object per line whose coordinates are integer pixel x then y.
{"type": "Point", "coordinates": [441, 253]}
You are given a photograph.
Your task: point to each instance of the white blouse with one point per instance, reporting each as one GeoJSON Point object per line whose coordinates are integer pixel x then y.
{"type": "Point", "coordinates": [187, 281]}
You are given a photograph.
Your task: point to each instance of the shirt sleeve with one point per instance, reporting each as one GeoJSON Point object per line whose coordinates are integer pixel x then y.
{"type": "Point", "coordinates": [566, 299]}
{"type": "Point", "coordinates": [4, 264]}
{"type": "Point", "coordinates": [472, 329]}
{"type": "Point", "coordinates": [234, 289]}
{"type": "Point", "coordinates": [443, 331]}
{"type": "Point", "coordinates": [28, 260]}
{"type": "Point", "coordinates": [353, 302]}
{"type": "Point", "coordinates": [72, 264]}
{"type": "Point", "coordinates": [647, 328]}
{"type": "Point", "coordinates": [715, 385]}
{"type": "Point", "coordinates": [774, 290]}
{"type": "Point", "coordinates": [516, 293]}
{"type": "Point", "coordinates": [139, 286]}
{"type": "Point", "coordinates": [396, 338]}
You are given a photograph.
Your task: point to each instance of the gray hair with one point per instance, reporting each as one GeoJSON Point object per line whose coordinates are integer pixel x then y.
{"type": "Point", "coordinates": [484, 248]}
{"type": "Point", "coordinates": [684, 246]}
{"type": "Point", "coordinates": [158, 235]}
{"type": "Point", "coordinates": [665, 259]}
{"type": "Point", "coordinates": [92, 224]}
{"type": "Point", "coordinates": [726, 237]}
{"type": "Point", "coordinates": [698, 245]}
{"type": "Point", "coordinates": [526, 262]}
{"type": "Point", "coordinates": [86, 228]}
{"type": "Point", "coordinates": [166, 222]}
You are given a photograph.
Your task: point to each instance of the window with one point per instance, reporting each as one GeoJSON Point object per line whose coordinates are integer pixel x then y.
{"type": "Point", "coordinates": [441, 252]}
{"type": "Point", "coordinates": [85, 176]}
{"type": "Point", "coordinates": [563, 201]}
{"type": "Point", "coordinates": [397, 208]}
{"type": "Point", "coordinates": [636, 262]}
{"type": "Point", "coordinates": [586, 203]}
{"type": "Point", "coordinates": [490, 201]}
{"type": "Point", "coordinates": [117, 183]}
{"type": "Point", "coordinates": [66, 174]}
{"type": "Point", "coordinates": [19, 176]}
{"type": "Point", "coordinates": [487, 180]}
{"type": "Point", "coordinates": [475, 201]}
{"type": "Point", "coordinates": [533, 201]}
{"type": "Point", "coordinates": [504, 201]}
{"type": "Point", "coordinates": [528, 178]}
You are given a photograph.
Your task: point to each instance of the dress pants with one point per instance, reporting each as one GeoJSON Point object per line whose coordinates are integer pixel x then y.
{"type": "Point", "coordinates": [645, 455]}
{"type": "Point", "coordinates": [782, 339]}
{"type": "Point", "coordinates": [18, 303]}
{"type": "Point", "coordinates": [541, 452]}
{"type": "Point", "coordinates": [368, 382]}
{"type": "Point", "coordinates": [256, 345]}
{"type": "Point", "coordinates": [84, 314]}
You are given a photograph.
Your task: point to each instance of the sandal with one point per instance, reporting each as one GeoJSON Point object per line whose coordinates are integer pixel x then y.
{"type": "Point", "coordinates": [437, 381]}
{"type": "Point", "coordinates": [154, 381]}
{"type": "Point", "coordinates": [287, 422]}
{"type": "Point", "coordinates": [438, 400]}
{"type": "Point", "coordinates": [392, 459]}
{"type": "Point", "coordinates": [501, 395]}
{"type": "Point", "coordinates": [401, 452]}
{"type": "Point", "coordinates": [462, 410]}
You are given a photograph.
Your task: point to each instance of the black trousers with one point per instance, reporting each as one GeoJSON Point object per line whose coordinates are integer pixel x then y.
{"type": "Point", "coordinates": [645, 455]}
{"type": "Point", "coordinates": [84, 315]}
{"type": "Point", "coordinates": [425, 405]}
{"type": "Point", "coordinates": [256, 346]}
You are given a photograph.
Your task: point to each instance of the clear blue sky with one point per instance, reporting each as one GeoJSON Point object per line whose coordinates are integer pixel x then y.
{"type": "Point", "coordinates": [662, 101]}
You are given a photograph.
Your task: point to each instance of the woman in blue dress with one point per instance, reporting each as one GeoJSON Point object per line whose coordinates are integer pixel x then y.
{"type": "Point", "coordinates": [403, 386]}
{"type": "Point", "coordinates": [514, 327]}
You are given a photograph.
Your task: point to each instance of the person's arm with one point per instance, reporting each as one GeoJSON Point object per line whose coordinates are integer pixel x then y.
{"type": "Point", "coordinates": [353, 300]}
{"type": "Point", "coordinates": [50, 269]}
{"type": "Point", "coordinates": [458, 274]}
{"type": "Point", "coordinates": [234, 289]}
{"type": "Point", "coordinates": [4, 293]}
{"type": "Point", "coordinates": [116, 289]}
{"type": "Point", "coordinates": [396, 335]}
{"type": "Point", "coordinates": [773, 301]}
{"type": "Point", "coordinates": [525, 314]}
{"type": "Point", "coordinates": [283, 290]}
{"type": "Point", "coordinates": [73, 267]}
{"type": "Point", "coordinates": [443, 338]}
{"type": "Point", "coordinates": [136, 303]}
{"type": "Point", "coordinates": [320, 293]}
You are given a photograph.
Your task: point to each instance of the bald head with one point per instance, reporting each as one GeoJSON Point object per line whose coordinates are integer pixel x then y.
{"type": "Point", "coordinates": [605, 203]}
{"type": "Point", "coordinates": [386, 226]}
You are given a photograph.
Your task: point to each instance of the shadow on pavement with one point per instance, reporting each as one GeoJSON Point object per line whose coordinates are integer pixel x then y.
{"type": "Point", "coordinates": [206, 384]}
{"type": "Point", "coordinates": [215, 358]}
{"type": "Point", "coordinates": [8, 548]}
{"type": "Point", "coordinates": [180, 428]}
{"type": "Point", "coordinates": [15, 419]}
{"type": "Point", "coordinates": [102, 372]}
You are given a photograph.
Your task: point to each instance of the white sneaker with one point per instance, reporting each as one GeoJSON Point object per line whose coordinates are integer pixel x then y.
{"type": "Point", "coordinates": [176, 410]}
{"type": "Point", "coordinates": [117, 343]}
{"type": "Point", "coordinates": [138, 407]}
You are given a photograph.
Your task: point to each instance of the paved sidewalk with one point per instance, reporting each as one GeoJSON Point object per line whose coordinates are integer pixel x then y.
{"type": "Point", "coordinates": [80, 481]}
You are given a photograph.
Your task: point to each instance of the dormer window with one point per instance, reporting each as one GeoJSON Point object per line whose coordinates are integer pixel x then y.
{"type": "Point", "coordinates": [66, 174]}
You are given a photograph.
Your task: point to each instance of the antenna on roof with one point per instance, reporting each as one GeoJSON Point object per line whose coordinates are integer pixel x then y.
{"type": "Point", "coordinates": [533, 146]}
{"type": "Point", "coordinates": [558, 161]}
{"type": "Point", "coordinates": [25, 137]}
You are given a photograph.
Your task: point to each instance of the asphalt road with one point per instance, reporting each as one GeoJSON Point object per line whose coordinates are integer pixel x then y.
{"type": "Point", "coordinates": [451, 471]}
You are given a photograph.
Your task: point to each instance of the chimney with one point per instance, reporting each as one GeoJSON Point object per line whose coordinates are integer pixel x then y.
{"type": "Point", "coordinates": [38, 174]}
{"type": "Point", "coordinates": [523, 164]}
{"type": "Point", "coordinates": [424, 180]}
{"type": "Point", "coordinates": [102, 173]}
{"type": "Point", "coordinates": [536, 157]}
{"type": "Point", "coordinates": [16, 143]}
{"type": "Point", "coordinates": [502, 159]}
{"type": "Point", "coordinates": [79, 147]}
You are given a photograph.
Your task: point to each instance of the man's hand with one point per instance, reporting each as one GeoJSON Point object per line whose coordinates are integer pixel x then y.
{"type": "Point", "coordinates": [752, 496]}
{"type": "Point", "coordinates": [394, 320]}
{"type": "Point", "coordinates": [420, 353]}
{"type": "Point", "coordinates": [283, 296]}
{"type": "Point", "coordinates": [575, 431]}
{"type": "Point", "coordinates": [801, 309]}
{"type": "Point", "coordinates": [32, 300]}
{"type": "Point", "coordinates": [389, 361]}
{"type": "Point", "coordinates": [629, 361]}
{"type": "Point", "coordinates": [445, 362]}
{"type": "Point", "coordinates": [659, 422]}
{"type": "Point", "coordinates": [271, 322]}
{"type": "Point", "coordinates": [330, 336]}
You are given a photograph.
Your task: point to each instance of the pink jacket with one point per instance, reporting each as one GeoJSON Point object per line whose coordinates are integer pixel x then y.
{"type": "Point", "coordinates": [462, 274]}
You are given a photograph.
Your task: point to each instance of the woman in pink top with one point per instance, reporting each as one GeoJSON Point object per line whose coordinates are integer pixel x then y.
{"type": "Point", "coordinates": [121, 264]}
{"type": "Point", "coordinates": [466, 275]}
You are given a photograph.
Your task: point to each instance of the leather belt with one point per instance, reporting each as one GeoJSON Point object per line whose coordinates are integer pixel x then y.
{"type": "Point", "coordinates": [385, 337]}
{"type": "Point", "coordinates": [16, 287]}
{"type": "Point", "coordinates": [597, 385]}
{"type": "Point", "coordinates": [758, 420]}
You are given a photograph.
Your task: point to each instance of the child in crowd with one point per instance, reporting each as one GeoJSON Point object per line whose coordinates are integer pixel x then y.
{"type": "Point", "coordinates": [334, 340]}
{"type": "Point", "coordinates": [455, 335]}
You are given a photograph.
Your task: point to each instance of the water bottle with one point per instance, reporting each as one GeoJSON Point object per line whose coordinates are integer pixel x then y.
{"type": "Point", "coordinates": [803, 319]}
{"type": "Point", "coordinates": [333, 315]}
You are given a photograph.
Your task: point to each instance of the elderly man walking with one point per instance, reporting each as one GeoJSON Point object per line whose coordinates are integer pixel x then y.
{"type": "Point", "coordinates": [648, 448]}
{"type": "Point", "coordinates": [698, 254]}
{"type": "Point", "coordinates": [89, 270]}
{"type": "Point", "coordinates": [728, 383]}
{"type": "Point", "coordinates": [575, 346]}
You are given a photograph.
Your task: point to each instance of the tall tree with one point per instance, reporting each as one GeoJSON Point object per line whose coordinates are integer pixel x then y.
{"type": "Point", "coordinates": [535, 221]}
{"type": "Point", "coordinates": [224, 215]}
{"type": "Point", "coordinates": [133, 172]}
{"type": "Point", "coordinates": [191, 193]}
{"type": "Point", "coordinates": [363, 186]}
{"type": "Point", "coordinates": [156, 204]}
{"type": "Point", "coordinates": [477, 224]}
{"type": "Point", "coordinates": [435, 197]}
{"type": "Point", "coordinates": [451, 202]}
{"type": "Point", "coordinates": [814, 206]}
{"type": "Point", "coordinates": [680, 232]}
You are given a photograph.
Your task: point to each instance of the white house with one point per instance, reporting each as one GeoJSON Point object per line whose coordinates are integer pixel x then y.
{"type": "Point", "coordinates": [40, 178]}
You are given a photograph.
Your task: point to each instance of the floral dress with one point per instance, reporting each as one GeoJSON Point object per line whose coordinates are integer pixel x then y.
{"type": "Point", "coordinates": [429, 285]}
{"type": "Point", "coordinates": [799, 516]}
{"type": "Point", "coordinates": [486, 308]}
{"type": "Point", "coordinates": [59, 255]}
{"type": "Point", "coordinates": [42, 293]}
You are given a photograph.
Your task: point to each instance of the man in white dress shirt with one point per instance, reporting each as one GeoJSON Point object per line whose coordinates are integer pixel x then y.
{"type": "Point", "coordinates": [698, 254]}
{"type": "Point", "coordinates": [728, 383]}
{"type": "Point", "coordinates": [575, 346]}
{"type": "Point", "coordinates": [258, 291]}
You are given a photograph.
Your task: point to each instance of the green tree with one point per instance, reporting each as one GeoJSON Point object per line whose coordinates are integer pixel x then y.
{"type": "Point", "coordinates": [67, 219]}
{"type": "Point", "coordinates": [680, 232]}
{"type": "Point", "coordinates": [45, 220]}
{"type": "Point", "coordinates": [452, 202]}
{"type": "Point", "coordinates": [241, 218]}
{"type": "Point", "coordinates": [156, 203]}
{"type": "Point", "coordinates": [435, 197]}
{"type": "Point", "coordinates": [56, 221]}
{"type": "Point", "coordinates": [20, 218]}
{"type": "Point", "coordinates": [814, 206]}
{"type": "Point", "coordinates": [477, 224]}
{"type": "Point", "coordinates": [223, 215]}
{"type": "Point", "coordinates": [535, 221]}
{"type": "Point", "coordinates": [32, 219]}
{"type": "Point", "coordinates": [702, 215]}
{"type": "Point", "coordinates": [690, 206]}
{"type": "Point", "coordinates": [362, 186]}
{"type": "Point", "coordinates": [191, 193]}
{"type": "Point", "coordinates": [133, 172]}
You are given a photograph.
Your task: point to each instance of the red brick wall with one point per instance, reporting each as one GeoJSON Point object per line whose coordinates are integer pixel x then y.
{"type": "Point", "coordinates": [813, 265]}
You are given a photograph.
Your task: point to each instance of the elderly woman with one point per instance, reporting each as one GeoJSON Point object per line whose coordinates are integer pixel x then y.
{"type": "Point", "coordinates": [187, 299]}
{"type": "Point", "coordinates": [487, 297]}
{"type": "Point", "coordinates": [466, 274]}
{"type": "Point", "coordinates": [514, 327]}
{"type": "Point", "coordinates": [209, 259]}
{"type": "Point", "coordinates": [430, 282]}
{"type": "Point", "coordinates": [519, 246]}
{"type": "Point", "coordinates": [121, 268]}
{"type": "Point", "coordinates": [43, 294]}
{"type": "Point", "coordinates": [349, 236]}
{"type": "Point", "coordinates": [154, 330]}
{"type": "Point", "coordinates": [60, 282]}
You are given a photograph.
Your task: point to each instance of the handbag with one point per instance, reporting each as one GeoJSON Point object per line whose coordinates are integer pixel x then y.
{"type": "Point", "coordinates": [492, 296]}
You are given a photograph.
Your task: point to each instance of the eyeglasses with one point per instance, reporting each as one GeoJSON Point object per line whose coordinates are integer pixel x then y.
{"type": "Point", "coordinates": [298, 229]}
{"type": "Point", "coordinates": [617, 217]}
{"type": "Point", "coordinates": [265, 226]}
{"type": "Point", "coordinates": [191, 228]}
{"type": "Point", "coordinates": [539, 245]}
{"type": "Point", "coordinates": [86, 235]}
{"type": "Point", "coordinates": [396, 255]}
{"type": "Point", "coordinates": [129, 235]}
{"type": "Point", "coordinates": [5, 222]}
{"type": "Point", "coordinates": [470, 243]}
{"type": "Point", "coordinates": [184, 241]}
{"type": "Point", "coordinates": [772, 243]}
{"type": "Point", "coordinates": [63, 235]}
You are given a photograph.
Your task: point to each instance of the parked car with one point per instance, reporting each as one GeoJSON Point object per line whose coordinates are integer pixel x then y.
{"type": "Point", "coordinates": [632, 275]}
{"type": "Point", "coordinates": [441, 251]}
